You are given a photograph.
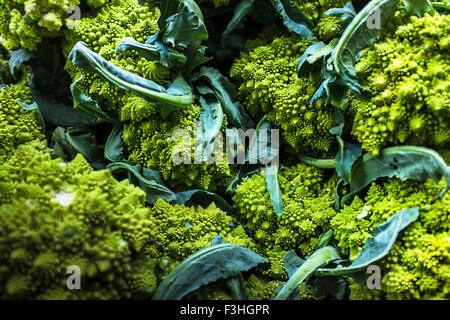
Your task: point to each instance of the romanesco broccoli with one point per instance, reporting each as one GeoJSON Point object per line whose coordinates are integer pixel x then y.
{"type": "Point", "coordinates": [407, 74]}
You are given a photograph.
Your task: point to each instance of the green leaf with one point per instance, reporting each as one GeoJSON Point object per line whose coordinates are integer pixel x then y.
{"type": "Point", "coordinates": [114, 147]}
{"type": "Point", "coordinates": [226, 93]}
{"type": "Point", "coordinates": [17, 59]}
{"type": "Point", "coordinates": [203, 198]}
{"type": "Point", "coordinates": [245, 170]}
{"type": "Point", "coordinates": [211, 121]}
{"type": "Point", "coordinates": [153, 51]}
{"type": "Point", "coordinates": [348, 152]}
{"type": "Point", "coordinates": [377, 247]}
{"type": "Point", "coordinates": [167, 9]}
{"type": "Point", "coordinates": [220, 261]}
{"type": "Point", "coordinates": [403, 162]}
{"type": "Point", "coordinates": [241, 11]}
{"type": "Point", "coordinates": [441, 5]}
{"type": "Point", "coordinates": [293, 18]}
{"type": "Point", "coordinates": [356, 37]}
{"type": "Point", "coordinates": [186, 27]}
{"type": "Point", "coordinates": [234, 285]}
{"type": "Point", "coordinates": [418, 7]}
{"type": "Point", "coordinates": [317, 163]}
{"type": "Point", "coordinates": [178, 94]}
{"type": "Point", "coordinates": [262, 150]}
{"type": "Point", "coordinates": [58, 113]}
{"type": "Point", "coordinates": [153, 188]}
{"type": "Point", "coordinates": [315, 52]}
{"type": "Point", "coordinates": [292, 262]}
{"type": "Point", "coordinates": [345, 13]}
{"type": "Point", "coordinates": [74, 140]}
{"type": "Point", "coordinates": [318, 259]}
{"type": "Point", "coordinates": [273, 187]}
{"type": "Point", "coordinates": [88, 105]}
{"type": "Point", "coordinates": [325, 239]}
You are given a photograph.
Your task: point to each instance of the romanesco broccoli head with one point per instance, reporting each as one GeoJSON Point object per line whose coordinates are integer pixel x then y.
{"type": "Point", "coordinates": [417, 265]}
{"type": "Point", "coordinates": [308, 210]}
{"type": "Point", "coordinates": [168, 145]}
{"type": "Point", "coordinates": [17, 125]}
{"type": "Point", "coordinates": [268, 83]}
{"type": "Point", "coordinates": [407, 74]}
{"type": "Point", "coordinates": [72, 217]}
{"type": "Point", "coordinates": [258, 287]}
{"type": "Point", "coordinates": [23, 23]}
{"type": "Point", "coordinates": [181, 231]}
{"type": "Point", "coordinates": [325, 27]}
{"type": "Point", "coordinates": [102, 33]}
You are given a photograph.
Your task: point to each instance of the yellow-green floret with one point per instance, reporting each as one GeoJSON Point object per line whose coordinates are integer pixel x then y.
{"type": "Point", "coordinates": [407, 74]}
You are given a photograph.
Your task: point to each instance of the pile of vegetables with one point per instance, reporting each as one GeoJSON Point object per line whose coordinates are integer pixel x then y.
{"type": "Point", "coordinates": [122, 153]}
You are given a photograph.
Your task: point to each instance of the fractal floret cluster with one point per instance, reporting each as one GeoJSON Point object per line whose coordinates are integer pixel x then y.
{"type": "Point", "coordinates": [224, 150]}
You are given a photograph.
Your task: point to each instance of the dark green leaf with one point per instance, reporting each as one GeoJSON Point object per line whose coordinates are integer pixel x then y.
{"type": "Point", "coordinates": [17, 59]}
{"type": "Point", "coordinates": [74, 140]}
{"type": "Point", "coordinates": [418, 7]}
{"type": "Point", "coordinates": [356, 37]}
{"type": "Point", "coordinates": [293, 18]}
{"type": "Point", "coordinates": [178, 94]}
{"type": "Point", "coordinates": [262, 149]}
{"type": "Point", "coordinates": [59, 113]}
{"type": "Point", "coordinates": [152, 188]}
{"type": "Point", "coordinates": [324, 239]}
{"type": "Point", "coordinates": [114, 147]}
{"type": "Point", "coordinates": [377, 247]}
{"type": "Point", "coordinates": [441, 6]}
{"type": "Point", "coordinates": [292, 262]}
{"type": "Point", "coordinates": [211, 121]}
{"type": "Point", "coordinates": [87, 104]}
{"type": "Point", "coordinates": [220, 261]}
{"type": "Point", "coordinates": [154, 51]}
{"type": "Point", "coordinates": [346, 13]}
{"type": "Point", "coordinates": [244, 171]}
{"type": "Point", "coordinates": [334, 287]}
{"type": "Point", "coordinates": [404, 162]}
{"type": "Point", "coordinates": [241, 12]}
{"type": "Point", "coordinates": [237, 293]}
{"type": "Point", "coordinates": [273, 187]}
{"type": "Point", "coordinates": [348, 153]}
{"type": "Point", "coordinates": [317, 163]}
{"type": "Point", "coordinates": [186, 27]}
{"type": "Point", "coordinates": [203, 198]}
{"type": "Point", "coordinates": [167, 9]}
{"type": "Point", "coordinates": [318, 259]}
{"type": "Point", "coordinates": [226, 93]}
{"type": "Point", "coordinates": [315, 52]}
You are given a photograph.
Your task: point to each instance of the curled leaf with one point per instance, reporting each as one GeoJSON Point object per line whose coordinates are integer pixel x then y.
{"type": "Point", "coordinates": [219, 261]}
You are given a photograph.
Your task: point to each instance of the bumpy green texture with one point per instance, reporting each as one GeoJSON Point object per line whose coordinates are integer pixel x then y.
{"type": "Point", "coordinates": [408, 76]}
{"type": "Point", "coordinates": [102, 33]}
{"type": "Point", "coordinates": [418, 265]}
{"type": "Point", "coordinates": [72, 216]}
{"type": "Point", "coordinates": [268, 82]}
{"type": "Point", "coordinates": [169, 146]}
{"type": "Point", "coordinates": [77, 216]}
{"type": "Point", "coordinates": [17, 125]}
{"type": "Point", "coordinates": [325, 27]}
{"type": "Point", "coordinates": [258, 287]}
{"type": "Point", "coordinates": [23, 23]}
{"type": "Point", "coordinates": [181, 231]}
{"type": "Point", "coordinates": [308, 199]}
